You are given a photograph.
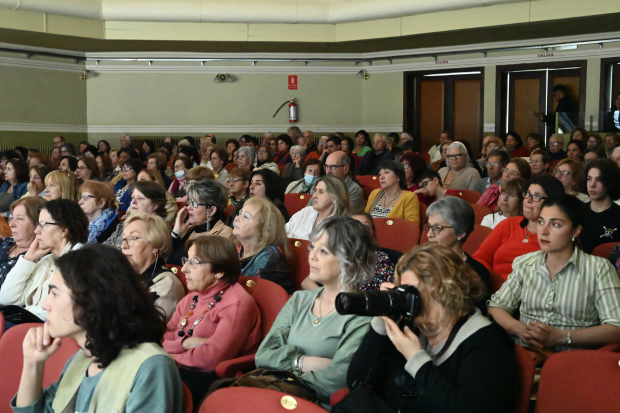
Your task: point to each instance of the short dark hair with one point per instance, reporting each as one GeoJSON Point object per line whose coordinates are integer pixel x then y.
{"type": "Point", "coordinates": [598, 150]}
{"type": "Point", "coordinates": [570, 205]}
{"type": "Point", "coordinates": [155, 193]}
{"type": "Point", "coordinates": [427, 174]}
{"type": "Point", "coordinates": [416, 162]}
{"type": "Point", "coordinates": [68, 215]}
{"type": "Point", "coordinates": [12, 154]}
{"type": "Point", "coordinates": [252, 139]}
{"type": "Point", "coordinates": [23, 151]}
{"type": "Point", "coordinates": [21, 170]}
{"type": "Point", "coordinates": [73, 162]}
{"type": "Point", "coordinates": [543, 153]}
{"type": "Point", "coordinates": [335, 140]}
{"type": "Point", "coordinates": [111, 303]}
{"type": "Point", "coordinates": [62, 138]}
{"type": "Point", "coordinates": [517, 138]}
{"type": "Point", "coordinates": [234, 142]}
{"type": "Point", "coordinates": [537, 137]}
{"type": "Point", "coordinates": [92, 149]}
{"type": "Point", "coordinates": [610, 175]}
{"type": "Point", "coordinates": [132, 153]}
{"type": "Point", "coordinates": [580, 145]}
{"type": "Point", "coordinates": [273, 184]}
{"type": "Point", "coordinates": [550, 184]}
{"type": "Point", "coordinates": [150, 144]}
{"type": "Point", "coordinates": [221, 153]}
{"type": "Point", "coordinates": [288, 141]}
{"type": "Point", "coordinates": [69, 147]}
{"type": "Point", "coordinates": [222, 254]}
{"type": "Point", "coordinates": [395, 136]}
{"type": "Point", "coordinates": [503, 156]}
{"type": "Point", "coordinates": [190, 152]}
{"type": "Point", "coordinates": [365, 135]}
{"type": "Point", "coordinates": [187, 163]}
{"type": "Point", "coordinates": [134, 164]}
{"type": "Point", "coordinates": [524, 168]}
{"type": "Point", "coordinates": [559, 87]}
{"type": "Point", "coordinates": [314, 161]}
{"type": "Point", "coordinates": [107, 144]}
{"type": "Point", "coordinates": [399, 171]}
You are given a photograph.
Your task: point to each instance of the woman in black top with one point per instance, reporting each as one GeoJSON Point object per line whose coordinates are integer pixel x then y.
{"type": "Point", "coordinates": [461, 362]}
{"type": "Point", "coordinates": [266, 184]}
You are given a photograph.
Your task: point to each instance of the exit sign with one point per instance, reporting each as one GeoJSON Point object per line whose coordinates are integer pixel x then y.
{"type": "Point", "coordinates": [292, 82]}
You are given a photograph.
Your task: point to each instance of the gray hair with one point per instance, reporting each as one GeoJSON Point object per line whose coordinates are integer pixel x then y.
{"type": "Point", "coordinates": [247, 151]}
{"type": "Point", "coordinates": [295, 131]}
{"type": "Point", "coordinates": [210, 192]}
{"type": "Point", "coordinates": [405, 137]}
{"type": "Point", "coordinates": [558, 136]}
{"type": "Point", "coordinates": [463, 150]}
{"type": "Point", "coordinates": [456, 212]}
{"type": "Point", "coordinates": [268, 135]}
{"type": "Point", "coordinates": [300, 150]}
{"type": "Point", "coordinates": [350, 242]}
{"type": "Point", "coordinates": [381, 136]}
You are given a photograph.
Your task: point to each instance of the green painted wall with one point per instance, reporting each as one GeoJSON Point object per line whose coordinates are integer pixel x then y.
{"type": "Point", "coordinates": [382, 98]}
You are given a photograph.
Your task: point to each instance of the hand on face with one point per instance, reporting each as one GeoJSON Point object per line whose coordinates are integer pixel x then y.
{"type": "Point", "coordinates": [35, 252]}
{"type": "Point", "coordinates": [38, 345]}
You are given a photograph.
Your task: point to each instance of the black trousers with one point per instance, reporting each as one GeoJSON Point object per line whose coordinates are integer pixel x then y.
{"type": "Point", "coordinates": [198, 383]}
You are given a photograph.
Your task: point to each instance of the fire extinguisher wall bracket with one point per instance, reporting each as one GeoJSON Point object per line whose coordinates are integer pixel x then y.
{"type": "Point", "coordinates": [292, 110]}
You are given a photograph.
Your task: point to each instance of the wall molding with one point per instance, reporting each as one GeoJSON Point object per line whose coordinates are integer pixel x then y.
{"type": "Point", "coordinates": [120, 129]}
{"type": "Point", "coordinates": [42, 127]}
{"type": "Point", "coordinates": [42, 64]}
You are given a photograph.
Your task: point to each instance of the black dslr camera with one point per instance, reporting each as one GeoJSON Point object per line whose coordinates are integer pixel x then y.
{"type": "Point", "coordinates": [401, 304]}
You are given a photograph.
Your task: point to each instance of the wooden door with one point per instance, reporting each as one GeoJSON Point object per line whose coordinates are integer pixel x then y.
{"type": "Point", "coordinates": [431, 112]}
{"type": "Point", "coordinates": [527, 94]}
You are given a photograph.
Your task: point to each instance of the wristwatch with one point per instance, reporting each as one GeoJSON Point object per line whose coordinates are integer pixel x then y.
{"type": "Point", "coordinates": [569, 340]}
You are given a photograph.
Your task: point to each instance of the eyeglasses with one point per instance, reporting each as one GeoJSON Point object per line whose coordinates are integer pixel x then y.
{"type": "Point", "coordinates": [264, 152]}
{"type": "Point", "coordinates": [455, 157]}
{"type": "Point", "coordinates": [86, 197]}
{"type": "Point", "coordinates": [493, 164]}
{"type": "Point", "coordinates": [42, 225]}
{"type": "Point", "coordinates": [81, 168]}
{"type": "Point", "coordinates": [272, 143]}
{"type": "Point", "coordinates": [195, 204]}
{"type": "Point", "coordinates": [535, 161]}
{"type": "Point", "coordinates": [234, 180]}
{"type": "Point", "coordinates": [436, 228]}
{"type": "Point", "coordinates": [563, 173]}
{"type": "Point", "coordinates": [375, 142]}
{"type": "Point", "coordinates": [131, 241]}
{"type": "Point", "coordinates": [424, 184]}
{"type": "Point", "coordinates": [406, 166]}
{"type": "Point", "coordinates": [193, 262]}
{"type": "Point", "coordinates": [509, 172]}
{"type": "Point", "coordinates": [128, 168]}
{"type": "Point", "coordinates": [332, 167]}
{"type": "Point", "coordinates": [492, 148]}
{"type": "Point", "coordinates": [554, 143]}
{"type": "Point", "coordinates": [535, 198]}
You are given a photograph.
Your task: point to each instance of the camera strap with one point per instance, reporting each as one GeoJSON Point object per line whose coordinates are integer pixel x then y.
{"type": "Point", "coordinates": [452, 335]}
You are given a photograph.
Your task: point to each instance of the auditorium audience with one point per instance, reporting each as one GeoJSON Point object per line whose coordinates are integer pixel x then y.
{"type": "Point", "coordinates": [612, 141]}
{"type": "Point", "coordinates": [594, 139]}
{"type": "Point", "coordinates": [567, 299]}
{"type": "Point", "coordinates": [362, 143]}
{"type": "Point", "coordinates": [515, 147]}
{"type": "Point", "coordinates": [474, 372]}
{"type": "Point", "coordinates": [535, 141]}
{"type": "Point", "coordinates": [15, 183]}
{"type": "Point", "coordinates": [158, 162]}
{"type": "Point", "coordinates": [96, 299]}
{"type": "Point", "coordinates": [313, 169]}
{"type": "Point", "coordinates": [579, 134]}
{"type": "Point", "coordinates": [602, 223]}
{"type": "Point", "coordinates": [238, 186]}
{"type": "Point", "coordinates": [218, 164]}
{"type": "Point", "coordinates": [217, 321]}
{"type": "Point", "coordinates": [495, 163]}
{"type": "Point", "coordinates": [516, 168]}
{"type": "Point", "coordinates": [510, 203]}
{"type": "Point", "coordinates": [516, 236]}
{"type": "Point", "coordinates": [393, 200]}
{"type": "Point", "coordinates": [372, 160]}
{"type": "Point", "coordinates": [346, 145]}
{"type": "Point", "coordinates": [309, 337]}
{"type": "Point", "coordinates": [99, 204]}
{"type": "Point", "coordinates": [146, 243]}
{"type": "Point", "coordinates": [593, 152]}
{"type": "Point", "coordinates": [575, 150]}
{"type": "Point", "coordinates": [131, 169]}
{"type": "Point", "coordinates": [104, 164]}
{"type": "Point", "coordinates": [330, 198]}
{"type": "Point", "coordinates": [264, 159]}
{"type": "Point", "coordinates": [259, 228]}
{"type": "Point", "coordinates": [36, 185]}
{"type": "Point", "coordinates": [556, 147]}
{"type": "Point", "coordinates": [62, 227]}
{"type": "Point", "coordinates": [104, 147]}
{"type": "Point", "coordinates": [293, 170]}
{"type": "Point", "coordinates": [414, 165]}
{"type": "Point", "coordinates": [171, 203]}
{"type": "Point", "coordinates": [203, 215]}
{"type": "Point", "coordinates": [61, 185]}
{"type": "Point", "coordinates": [67, 149]}
{"type": "Point", "coordinates": [87, 169]}
{"type": "Point", "coordinates": [181, 167]}
{"type": "Point", "coordinates": [25, 213]}
{"type": "Point", "coordinates": [570, 173]}
{"type": "Point", "coordinates": [246, 157]}
{"type": "Point", "coordinates": [283, 156]}
{"type": "Point", "coordinates": [539, 162]}
{"type": "Point", "coordinates": [458, 174]}
{"type": "Point", "coordinates": [68, 163]}
{"type": "Point", "coordinates": [266, 184]}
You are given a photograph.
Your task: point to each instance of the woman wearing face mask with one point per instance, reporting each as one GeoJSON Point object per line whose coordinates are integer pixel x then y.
{"type": "Point", "coordinates": [510, 202]}
{"type": "Point", "coordinates": [98, 203]}
{"type": "Point", "coordinates": [264, 159]}
{"type": "Point", "coordinates": [36, 186]}
{"type": "Point", "coordinates": [313, 169]}
{"type": "Point", "coordinates": [131, 169]}
{"type": "Point", "coordinates": [120, 366]}
{"type": "Point", "coordinates": [203, 215]}
{"type": "Point", "coordinates": [181, 166]}
{"type": "Point", "coordinates": [15, 183]}
{"type": "Point", "coordinates": [218, 164]}
{"type": "Point", "coordinates": [331, 198]}
{"type": "Point", "coordinates": [62, 227]}
{"type": "Point", "coordinates": [61, 185]}
{"type": "Point", "coordinates": [146, 243]}
{"type": "Point", "coordinates": [25, 213]}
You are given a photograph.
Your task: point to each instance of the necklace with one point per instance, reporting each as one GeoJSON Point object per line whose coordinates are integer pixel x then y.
{"type": "Point", "coordinates": [190, 313]}
{"type": "Point", "coordinates": [318, 320]}
{"type": "Point", "coordinates": [526, 240]}
{"type": "Point", "coordinates": [384, 197]}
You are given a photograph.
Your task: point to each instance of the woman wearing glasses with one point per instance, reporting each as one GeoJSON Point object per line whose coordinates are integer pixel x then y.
{"type": "Point", "coordinates": [62, 227]}
{"type": "Point", "coordinates": [146, 243]}
{"type": "Point", "coordinates": [203, 215]}
{"type": "Point", "coordinates": [292, 171]}
{"type": "Point", "coordinates": [130, 171]}
{"type": "Point", "coordinates": [539, 162]}
{"type": "Point", "coordinates": [393, 200]}
{"type": "Point", "coordinates": [516, 236]}
{"type": "Point", "coordinates": [218, 164]}
{"type": "Point", "coordinates": [61, 185]}
{"type": "Point", "coordinates": [516, 168]}
{"type": "Point", "coordinates": [98, 203]}
{"type": "Point", "coordinates": [264, 159]}
{"type": "Point", "coordinates": [414, 165]}
{"type": "Point", "coordinates": [217, 321]}
{"type": "Point", "coordinates": [238, 183]}
{"type": "Point", "coordinates": [181, 167]}
{"type": "Point", "coordinates": [458, 174]}
{"type": "Point", "coordinates": [87, 169]}
{"type": "Point", "coordinates": [571, 173]}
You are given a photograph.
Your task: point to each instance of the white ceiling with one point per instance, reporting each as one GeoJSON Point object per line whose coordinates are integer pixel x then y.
{"type": "Point", "coordinates": [244, 11]}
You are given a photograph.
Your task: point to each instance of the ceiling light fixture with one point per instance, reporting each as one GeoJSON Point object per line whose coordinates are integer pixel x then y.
{"type": "Point", "coordinates": [223, 77]}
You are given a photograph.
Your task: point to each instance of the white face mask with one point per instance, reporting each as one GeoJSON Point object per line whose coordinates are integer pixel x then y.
{"type": "Point", "coordinates": [179, 174]}
{"type": "Point", "coordinates": [309, 179]}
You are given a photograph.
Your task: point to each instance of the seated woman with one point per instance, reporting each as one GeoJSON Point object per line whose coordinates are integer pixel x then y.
{"type": "Point", "coordinates": [218, 164]}
{"type": "Point", "coordinates": [450, 221]}
{"type": "Point", "coordinates": [62, 227]}
{"type": "Point", "coordinates": [510, 202]}
{"type": "Point", "coordinates": [238, 186]}
{"type": "Point", "coordinates": [25, 213]}
{"type": "Point", "coordinates": [203, 215]}
{"type": "Point", "coordinates": [534, 141]}
{"type": "Point", "coordinates": [515, 147]}
{"type": "Point", "coordinates": [61, 185]}
{"type": "Point", "coordinates": [574, 150]}
{"type": "Point", "coordinates": [571, 173]}
{"type": "Point", "coordinates": [461, 362]}
{"type": "Point", "coordinates": [131, 169]}
{"type": "Point", "coordinates": [568, 299]}
{"type": "Point", "coordinates": [439, 160]}
{"type": "Point", "coordinates": [217, 321]}
{"type": "Point", "coordinates": [539, 162]}
{"type": "Point", "coordinates": [264, 159]}
{"type": "Point", "coordinates": [309, 337]}
{"type": "Point", "coordinates": [98, 203]}
{"type": "Point", "coordinates": [196, 174]}
{"type": "Point", "coordinates": [106, 170]}
{"type": "Point", "coordinates": [158, 162]}
{"type": "Point", "coordinates": [393, 200]}
{"type": "Point", "coordinates": [246, 157]}
{"type": "Point", "coordinates": [492, 143]}
{"type": "Point", "coordinates": [414, 165]}
{"type": "Point", "coordinates": [36, 186]}
{"type": "Point", "coordinates": [516, 236]}
{"type": "Point", "coordinates": [331, 198]}
{"type": "Point", "coordinates": [516, 168]}
{"type": "Point", "coordinates": [120, 366]}
{"type": "Point", "coordinates": [171, 203]}
{"type": "Point", "coordinates": [68, 163]}
{"type": "Point", "coordinates": [231, 147]}
{"type": "Point", "coordinates": [266, 184]}
{"type": "Point", "coordinates": [284, 155]}
{"type": "Point", "coordinates": [259, 227]}
{"type": "Point", "coordinates": [15, 183]}
{"type": "Point", "coordinates": [293, 171]}
{"type": "Point", "coordinates": [312, 170]}
{"type": "Point", "coordinates": [146, 244]}
{"type": "Point", "coordinates": [458, 174]}
{"type": "Point", "coordinates": [87, 170]}
{"type": "Point", "coordinates": [182, 165]}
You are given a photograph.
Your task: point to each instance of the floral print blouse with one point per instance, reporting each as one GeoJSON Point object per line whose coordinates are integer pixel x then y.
{"type": "Point", "coordinates": [7, 263]}
{"type": "Point", "coordinates": [384, 272]}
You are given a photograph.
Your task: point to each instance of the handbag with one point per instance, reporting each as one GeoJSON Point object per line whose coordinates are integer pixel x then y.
{"type": "Point", "coordinates": [362, 400]}
{"type": "Point", "coordinates": [15, 314]}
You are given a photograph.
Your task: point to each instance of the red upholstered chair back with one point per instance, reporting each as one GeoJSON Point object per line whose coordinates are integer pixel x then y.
{"type": "Point", "coordinates": [1, 325]}
{"type": "Point", "coordinates": [12, 356]}
{"type": "Point", "coordinates": [480, 211]}
{"type": "Point", "coordinates": [525, 379]}
{"type": "Point", "coordinates": [552, 166]}
{"type": "Point", "coordinates": [188, 403]}
{"type": "Point", "coordinates": [496, 281]}
{"type": "Point", "coordinates": [397, 234]}
{"type": "Point", "coordinates": [468, 195]}
{"type": "Point", "coordinates": [604, 250]}
{"type": "Point", "coordinates": [580, 381]}
{"type": "Point", "coordinates": [299, 260]}
{"type": "Point", "coordinates": [181, 204]}
{"type": "Point", "coordinates": [249, 399]}
{"type": "Point", "coordinates": [229, 210]}
{"type": "Point", "coordinates": [269, 297]}
{"type": "Point", "coordinates": [425, 156]}
{"type": "Point", "coordinates": [296, 202]}
{"type": "Point", "coordinates": [369, 183]}
{"type": "Point", "coordinates": [473, 241]}
{"type": "Point", "coordinates": [176, 270]}
{"type": "Point", "coordinates": [230, 166]}
{"type": "Point", "coordinates": [423, 218]}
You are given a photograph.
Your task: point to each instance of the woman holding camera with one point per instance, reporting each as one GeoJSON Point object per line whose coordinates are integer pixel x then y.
{"type": "Point", "coordinates": [461, 362]}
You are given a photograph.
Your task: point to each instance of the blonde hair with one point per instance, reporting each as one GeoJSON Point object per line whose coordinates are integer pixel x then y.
{"type": "Point", "coordinates": [157, 232]}
{"type": "Point", "coordinates": [67, 181]}
{"type": "Point", "coordinates": [337, 191]}
{"type": "Point", "coordinates": [270, 229]}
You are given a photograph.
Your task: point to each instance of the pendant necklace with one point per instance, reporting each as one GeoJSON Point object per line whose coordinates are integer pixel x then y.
{"type": "Point", "coordinates": [526, 240]}
{"type": "Point", "coordinates": [318, 320]}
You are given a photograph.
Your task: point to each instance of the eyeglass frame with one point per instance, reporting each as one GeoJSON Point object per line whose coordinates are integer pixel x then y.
{"type": "Point", "coordinates": [235, 180]}
{"type": "Point", "coordinates": [185, 260]}
{"type": "Point", "coordinates": [125, 168]}
{"type": "Point", "coordinates": [195, 204]}
{"type": "Point", "coordinates": [133, 241]}
{"type": "Point", "coordinates": [87, 196]}
{"type": "Point", "coordinates": [563, 173]}
{"type": "Point", "coordinates": [494, 164]}
{"type": "Point", "coordinates": [439, 228]}
{"type": "Point", "coordinates": [332, 167]}
{"type": "Point", "coordinates": [44, 224]}
{"type": "Point", "coordinates": [512, 173]}
{"type": "Point", "coordinates": [425, 183]}
{"type": "Point", "coordinates": [527, 195]}
{"type": "Point", "coordinates": [455, 156]}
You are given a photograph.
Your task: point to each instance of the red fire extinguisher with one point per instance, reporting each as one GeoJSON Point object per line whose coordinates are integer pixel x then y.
{"type": "Point", "coordinates": [292, 110]}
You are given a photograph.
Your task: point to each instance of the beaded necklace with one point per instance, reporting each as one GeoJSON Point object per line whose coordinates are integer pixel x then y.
{"type": "Point", "coordinates": [190, 332]}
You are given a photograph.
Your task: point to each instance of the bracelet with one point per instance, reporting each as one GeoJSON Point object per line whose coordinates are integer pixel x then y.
{"type": "Point", "coordinates": [299, 363]}
{"type": "Point", "coordinates": [174, 234]}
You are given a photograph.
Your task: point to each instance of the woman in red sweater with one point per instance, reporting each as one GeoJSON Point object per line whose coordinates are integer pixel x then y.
{"type": "Point", "coordinates": [217, 321]}
{"type": "Point", "coordinates": [516, 236]}
{"type": "Point", "coordinates": [514, 143]}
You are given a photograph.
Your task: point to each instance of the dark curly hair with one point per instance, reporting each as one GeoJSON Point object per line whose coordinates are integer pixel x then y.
{"type": "Point", "coordinates": [110, 302]}
{"type": "Point", "coordinates": [609, 175]}
{"type": "Point", "coordinates": [273, 184]}
{"type": "Point", "coordinates": [68, 215]}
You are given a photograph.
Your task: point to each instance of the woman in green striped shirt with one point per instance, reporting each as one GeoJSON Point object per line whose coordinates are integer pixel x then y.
{"type": "Point", "coordinates": [568, 299]}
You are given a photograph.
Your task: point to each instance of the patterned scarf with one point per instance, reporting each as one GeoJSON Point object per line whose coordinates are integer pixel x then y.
{"type": "Point", "coordinates": [100, 224]}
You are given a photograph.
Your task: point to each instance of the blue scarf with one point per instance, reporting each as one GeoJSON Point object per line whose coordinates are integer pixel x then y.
{"type": "Point", "coordinates": [100, 224]}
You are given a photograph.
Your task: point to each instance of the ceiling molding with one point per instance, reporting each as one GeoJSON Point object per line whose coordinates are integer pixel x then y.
{"type": "Point", "coordinates": [42, 64]}
{"type": "Point", "coordinates": [42, 127]}
{"type": "Point", "coordinates": [120, 129]}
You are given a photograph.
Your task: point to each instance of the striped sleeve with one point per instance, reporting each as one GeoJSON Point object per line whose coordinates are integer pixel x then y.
{"type": "Point", "coordinates": [509, 295]}
{"type": "Point", "coordinates": [607, 294]}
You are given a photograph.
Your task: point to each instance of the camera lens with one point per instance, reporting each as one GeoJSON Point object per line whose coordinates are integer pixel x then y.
{"type": "Point", "coordinates": [370, 303]}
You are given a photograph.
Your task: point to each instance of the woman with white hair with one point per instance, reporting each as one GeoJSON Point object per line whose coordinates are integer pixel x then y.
{"type": "Point", "coordinates": [264, 159]}
{"type": "Point", "coordinates": [245, 157]}
{"type": "Point", "coordinates": [293, 170]}
{"type": "Point", "coordinates": [457, 174]}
